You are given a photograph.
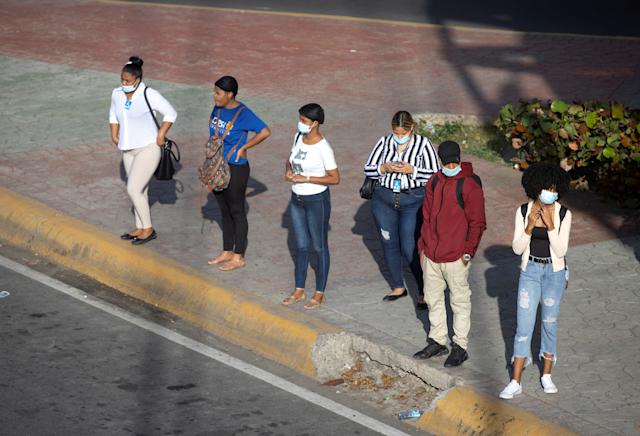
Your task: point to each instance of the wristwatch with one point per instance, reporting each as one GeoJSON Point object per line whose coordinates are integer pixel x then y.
{"type": "Point", "coordinates": [466, 257]}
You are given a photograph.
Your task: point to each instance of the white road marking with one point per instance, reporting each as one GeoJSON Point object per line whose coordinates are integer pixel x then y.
{"type": "Point", "coordinates": [247, 368]}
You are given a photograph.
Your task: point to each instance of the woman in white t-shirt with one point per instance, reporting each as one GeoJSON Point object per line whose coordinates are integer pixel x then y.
{"type": "Point", "coordinates": [311, 168]}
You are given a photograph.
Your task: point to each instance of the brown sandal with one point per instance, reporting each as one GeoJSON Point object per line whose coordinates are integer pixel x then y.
{"type": "Point", "coordinates": [314, 303]}
{"type": "Point", "coordinates": [293, 299]}
{"type": "Point", "coordinates": [219, 259]}
{"type": "Point", "coordinates": [231, 265]}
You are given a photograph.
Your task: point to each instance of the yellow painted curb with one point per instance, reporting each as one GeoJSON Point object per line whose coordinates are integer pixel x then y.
{"type": "Point", "coordinates": [274, 332]}
{"type": "Point", "coordinates": [465, 411]}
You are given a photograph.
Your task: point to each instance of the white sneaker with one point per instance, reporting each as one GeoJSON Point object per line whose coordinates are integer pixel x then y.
{"type": "Point", "coordinates": [548, 385]}
{"type": "Point", "coordinates": [513, 388]}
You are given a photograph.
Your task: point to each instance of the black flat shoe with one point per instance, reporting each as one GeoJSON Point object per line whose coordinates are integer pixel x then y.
{"type": "Point", "coordinates": [394, 297]}
{"type": "Point", "coordinates": [127, 236]}
{"type": "Point", "coordinates": [139, 241]}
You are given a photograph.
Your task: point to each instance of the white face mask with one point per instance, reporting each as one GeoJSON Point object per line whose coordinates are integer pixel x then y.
{"type": "Point", "coordinates": [303, 128]}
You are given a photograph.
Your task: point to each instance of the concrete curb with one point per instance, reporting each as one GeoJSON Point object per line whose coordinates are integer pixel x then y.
{"type": "Point", "coordinates": [463, 410]}
{"type": "Point", "coordinates": [305, 344]}
{"type": "Point", "coordinates": [284, 336]}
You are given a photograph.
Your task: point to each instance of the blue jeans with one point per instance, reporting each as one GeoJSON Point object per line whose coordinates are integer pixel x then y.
{"type": "Point", "coordinates": [310, 217]}
{"type": "Point", "coordinates": [539, 284]}
{"type": "Point", "coordinates": [399, 217]}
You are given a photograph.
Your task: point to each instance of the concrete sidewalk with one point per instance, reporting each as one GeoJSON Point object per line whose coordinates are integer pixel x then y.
{"type": "Point", "coordinates": [56, 88]}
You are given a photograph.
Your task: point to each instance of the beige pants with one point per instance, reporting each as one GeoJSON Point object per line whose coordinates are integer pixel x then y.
{"type": "Point", "coordinates": [140, 164]}
{"type": "Point", "coordinates": [455, 275]}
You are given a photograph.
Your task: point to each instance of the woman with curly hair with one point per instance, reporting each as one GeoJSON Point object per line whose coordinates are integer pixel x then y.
{"type": "Point", "coordinates": [541, 237]}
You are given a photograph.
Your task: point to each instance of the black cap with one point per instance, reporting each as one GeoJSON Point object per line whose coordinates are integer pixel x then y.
{"type": "Point", "coordinates": [449, 151]}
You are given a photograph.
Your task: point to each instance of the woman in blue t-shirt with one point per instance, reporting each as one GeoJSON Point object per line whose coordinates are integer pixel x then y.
{"type": "Point", "coordinates": [236, 141]}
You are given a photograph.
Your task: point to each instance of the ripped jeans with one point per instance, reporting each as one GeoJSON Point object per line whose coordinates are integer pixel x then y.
{"type": "Point", "coordinates": [398, 217]}
{"type": "Point", "coordinates": [539, 284]}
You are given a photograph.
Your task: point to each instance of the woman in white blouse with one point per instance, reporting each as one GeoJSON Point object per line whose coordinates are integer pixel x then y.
{"type": "Point", "coordinates": [136, 135]}
{"type": "Point", "coordinates": [311, 168]}
{"type": "Point", "coordinates": [402, 162]}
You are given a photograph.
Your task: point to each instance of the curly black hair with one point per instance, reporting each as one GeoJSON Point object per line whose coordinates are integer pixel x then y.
{"type": "Point", "coordinates": [544, 175]}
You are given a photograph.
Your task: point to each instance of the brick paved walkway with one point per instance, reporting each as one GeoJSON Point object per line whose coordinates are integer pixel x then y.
{"type": "Point", "coordinates": [60, 62]}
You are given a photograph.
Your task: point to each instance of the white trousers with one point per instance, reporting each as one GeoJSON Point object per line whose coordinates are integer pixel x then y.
{"type": "Point", "coordinates": [140, 164]}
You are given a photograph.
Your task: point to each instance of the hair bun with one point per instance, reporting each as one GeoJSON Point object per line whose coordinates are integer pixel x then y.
{"type": "Point", "coordinates": [135, 60]}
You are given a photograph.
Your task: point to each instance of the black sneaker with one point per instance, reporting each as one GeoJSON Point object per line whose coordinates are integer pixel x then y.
{"type": "Point", "coordinates": [432, 349]}
{"type": "Point", "coordinates": [457, 356]}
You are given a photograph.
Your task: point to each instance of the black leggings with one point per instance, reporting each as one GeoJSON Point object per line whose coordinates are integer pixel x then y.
{"type": "Point", "coordinates": [234, 215]}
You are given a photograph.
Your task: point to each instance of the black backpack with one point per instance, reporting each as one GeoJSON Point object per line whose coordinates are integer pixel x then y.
{"type": "Point", "coordinates": [459, 186]}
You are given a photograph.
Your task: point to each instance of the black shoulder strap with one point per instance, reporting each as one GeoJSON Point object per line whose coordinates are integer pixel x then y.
{"type": "Point", "coordinates": [523, 211]}
{"type": "Point", "coordinates": [149, 106]}
{"type": "Point", "coordinates": [460, 186]}
{"type": "Point", "coordinates": [563, 212]}
{"type": "Point", "coordinates": [434, 183]}
{"type": "Point", "coordinates": [298, 135]}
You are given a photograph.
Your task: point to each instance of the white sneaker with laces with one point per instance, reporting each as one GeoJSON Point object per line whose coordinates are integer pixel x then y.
{"type": "Point", "coordinates": [548, 385]}
{"type": "Point", "coordinates": [511, 390]}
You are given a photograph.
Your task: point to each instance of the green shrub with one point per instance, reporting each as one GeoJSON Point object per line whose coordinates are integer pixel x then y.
{"type": "Point", "coordinates": [482, 140]}
{"type": "Point", "coordinates": [603, 138]}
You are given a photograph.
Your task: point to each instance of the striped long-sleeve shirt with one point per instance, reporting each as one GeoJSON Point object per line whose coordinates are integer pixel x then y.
{"type": "Point", "coordinates": [419, 153]}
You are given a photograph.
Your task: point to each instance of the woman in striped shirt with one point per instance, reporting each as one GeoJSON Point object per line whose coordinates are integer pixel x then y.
{"type": "Point", "coordinates": [402, 162]}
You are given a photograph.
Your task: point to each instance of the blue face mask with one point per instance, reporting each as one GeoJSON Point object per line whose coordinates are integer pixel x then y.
{"type": "Point", "coordinates": [130, 88]}
{"type": "Point", "coordinates": [303, 128]}
{"type": "Point", "coordinates": [548, 197]}
{"type": "Point", "coordinates": [451, 172]}
{"type": "Point", "coordinates": [401, 140]}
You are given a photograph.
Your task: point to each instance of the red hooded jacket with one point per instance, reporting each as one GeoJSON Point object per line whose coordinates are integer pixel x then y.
{"type": "Point", "coordinates": [448, 231]}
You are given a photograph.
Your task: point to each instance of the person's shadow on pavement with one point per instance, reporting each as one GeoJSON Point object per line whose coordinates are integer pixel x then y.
{"type": "Point", "coordinates": [211, 211]}
{"type": "Point", "coordinates": [502, 283]}
{"type": "Point", "coordinates": [365, 226]}
{"type": "Point", "coordinates": [160, 191]}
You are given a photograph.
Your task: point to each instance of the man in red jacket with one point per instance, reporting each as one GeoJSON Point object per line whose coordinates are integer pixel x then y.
{"type": "Point", "coordinates": [454, 220]}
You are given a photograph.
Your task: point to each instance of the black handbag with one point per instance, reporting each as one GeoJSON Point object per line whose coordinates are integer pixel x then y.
{"type": "Point", "coordinates": [166, 168]}
{"type": "Point", "coordinates": [368, 186]}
